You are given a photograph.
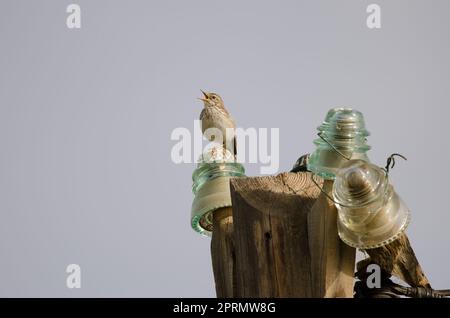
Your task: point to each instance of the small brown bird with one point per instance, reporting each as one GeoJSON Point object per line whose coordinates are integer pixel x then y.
{"type": "Point", "coordinates": [215, 115]}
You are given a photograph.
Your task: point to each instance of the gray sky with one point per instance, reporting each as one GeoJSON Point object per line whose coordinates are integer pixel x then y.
{"type": "Point", "coordinates": [86, 117]}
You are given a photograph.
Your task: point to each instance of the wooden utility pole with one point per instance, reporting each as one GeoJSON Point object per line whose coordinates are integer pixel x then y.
{"type": "Point", "coordinates": [280, 240]}
{"type": "Point", "coordinates": [222, 253]}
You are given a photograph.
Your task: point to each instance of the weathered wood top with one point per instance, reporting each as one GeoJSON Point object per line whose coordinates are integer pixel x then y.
{"type": "Point", "coordinates": [284, 241]}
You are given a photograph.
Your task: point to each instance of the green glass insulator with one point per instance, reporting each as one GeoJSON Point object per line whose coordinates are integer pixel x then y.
{"type": "Point", "coordinates": [211, 187]}
{"type": "Point", "coordinates": [344, 137]}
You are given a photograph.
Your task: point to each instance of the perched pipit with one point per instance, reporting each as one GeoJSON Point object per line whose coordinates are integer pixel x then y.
{"type": "Point", "coordinates": [215, 115]}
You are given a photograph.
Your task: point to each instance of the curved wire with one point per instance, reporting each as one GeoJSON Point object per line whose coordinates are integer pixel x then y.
{"type": "Point", "coordinates": [326, 194]}
{"type": "Point", "coordinates": [390, 162]}
{"type": "Point", "coordinates": [333, 146]}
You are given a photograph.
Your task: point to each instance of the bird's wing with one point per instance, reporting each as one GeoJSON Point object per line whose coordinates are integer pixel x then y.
{"type": "Point", "coordinates": [225, 111]}
{"type": "Point", "coordinates": [202, 114]}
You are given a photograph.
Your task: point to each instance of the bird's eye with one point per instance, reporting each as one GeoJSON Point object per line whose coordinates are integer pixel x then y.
{"type": "Point", "coordinates": [213, 97]}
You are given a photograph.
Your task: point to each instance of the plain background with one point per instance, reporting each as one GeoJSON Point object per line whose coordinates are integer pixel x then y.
{"type": "Point", "coordinates": [86, 115]}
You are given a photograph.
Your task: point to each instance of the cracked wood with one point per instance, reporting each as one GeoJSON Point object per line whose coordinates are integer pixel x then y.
{"type": "Point", "coordinates": [281, 241]}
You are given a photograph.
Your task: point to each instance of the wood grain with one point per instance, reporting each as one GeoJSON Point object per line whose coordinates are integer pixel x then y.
{"type": "Point", "coordinates": [285, 241]}
{"type": "Point", "coordinates": [398, 258]}
{"type": "Point", "coordinates": [222, 253]}
{"type": "Point", "coordinates": [333, 262]}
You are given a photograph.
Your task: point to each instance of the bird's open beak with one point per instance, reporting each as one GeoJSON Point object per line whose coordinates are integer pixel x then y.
{"type": "Point", "coordinates": [204, 94]}
{"type": "Point", "coordinates": [205, 98]}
